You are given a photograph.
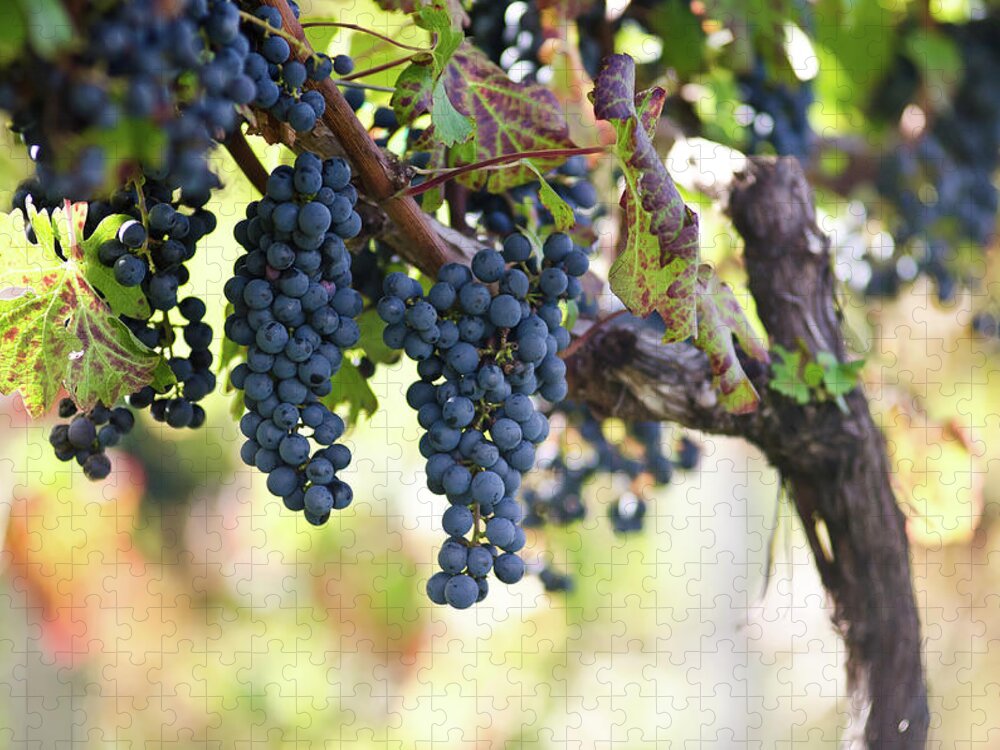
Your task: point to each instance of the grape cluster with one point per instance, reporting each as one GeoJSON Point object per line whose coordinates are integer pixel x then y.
{"type": "Point", "coordinates": [986, 324]}
{"type": "Point", "coordinates": [88, 434]}
{"type": "Point", "coordinates": [779, 113]}
{"type": "Point", "coordinates": [555, 581]}
{"type": "Point", "coordinates": [577, 451]}
{"type": "Point", "coordinates": [182, 72]}
{"type": "Point", "coordinates": [279, 77]}
{"type": "Point", "coordinates": [556, 495]}
{"type": "Point", "coordinates": [149, 251]}
{"type": "Point", "coordinates": [294, 310]}
{"type": "Point", "coordinates": [940, 188]}
{"type": "Point", "coordinates": [491, 336]}
{"type": "Point", "coordinates": [510, 34]}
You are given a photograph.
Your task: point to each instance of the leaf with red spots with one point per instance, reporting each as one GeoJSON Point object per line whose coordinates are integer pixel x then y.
{"type": "Point", "coordinates": [414, 92]}
{"type": "Point", "coordinates": [720, 320]}
{"type": "Point", "coordinates": [658, 269]}
{"type": "Point", "coordinates": [509, 117]}
{"type": "Point", "coordinates": [57, 332]}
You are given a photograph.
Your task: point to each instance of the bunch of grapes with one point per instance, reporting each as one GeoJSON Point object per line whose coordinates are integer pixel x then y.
{"type": "Point", "coordinates": [294, 311]}
{"type": "Point", "coordinates": [87, 436]}
{"type": "Point", "coordinates": [779, 114]}
{"type": "Point", "coordinates": [149, 251]}
{"type": "Point", "coordinates": [181, 71]}
{"type": "Point", "coordinates": [492, 337]}
{"type": "Point", "coordinates": [556, 494]}
{"type": "Point", "coordinates": [577, 451]}
{"type": "Point", "coordinates": [510, 34]}
{"type": "Point", "coordinates": [279, 77]}
{"type": "Point", "coordinates": [941, 187]}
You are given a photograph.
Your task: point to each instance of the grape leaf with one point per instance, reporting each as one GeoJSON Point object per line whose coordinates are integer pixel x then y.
{"type": "Point", "coordinates": [351, 389]}
{"type": "Point", "coordinates": [437, 18]}
{"type": "Point", "coordinates": [48, 25]}
{"type": "Point", "coordinates": [509, 117]}
{"type": "Point", "coordinates": [371, 342]}
{"type": "Point", "coordinates": [419, 87]}
{"type": "Point", "coordinates": [450, 125]}
{"type": "Point", "coordinates": [720, 320]}
{"type": "Point", "coordinates": [452, 7]}
{"type": "Point", "coordinates": [562, 214]}
{"type": "Point", "coordinates": [58, 333]}
{"type": "Point", "coordinates": [786, 377]}
{"type": "Point", "coordinates": [414, 92]}
{"type": "Point", "coordinates": [658, 269]}
{"type": "Point", "coordinates": [123, 300]}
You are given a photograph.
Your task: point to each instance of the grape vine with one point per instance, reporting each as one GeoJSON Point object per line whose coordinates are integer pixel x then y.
{"type": "Point", "coordinates": [126, 165]}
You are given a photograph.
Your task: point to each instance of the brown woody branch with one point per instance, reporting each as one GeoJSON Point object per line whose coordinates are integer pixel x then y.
{"type": "Point", "coordinates": [426, 249]}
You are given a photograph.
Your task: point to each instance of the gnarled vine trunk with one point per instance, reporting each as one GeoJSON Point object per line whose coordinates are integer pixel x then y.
{"type": "Point", "coordinates": [834, 462]}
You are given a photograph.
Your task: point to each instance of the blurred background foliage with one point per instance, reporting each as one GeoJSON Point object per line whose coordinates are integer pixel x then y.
{"type": "Point", "coordinates": [180, 605]}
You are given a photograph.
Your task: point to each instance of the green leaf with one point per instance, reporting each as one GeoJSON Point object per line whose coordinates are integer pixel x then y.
{"type": "Point", "coordinates": [58, 333]}
{"type": "Point", "coordinates": [419, 88]}
{"type": "Point", "coordinates": [48, 25]}
{"type": "Point", "coordinates": [570, 315]}
{"type": "Point", "coordinates": [438, 18]}
{"type": "Point", "coordinates": [237, 405]}
{"type": "Point", "coordinates": [351, 389]}
{"type": "Point", "coordinates": [123, 300]}
{"type": "Point", "coordinates": [785, 375]}
{"type": "Point", "coordinates": [562, 214]}
{"type": "Point", "coordinates": [813, 375]}
{"type": "Point", "coordinates": [371, 342]}
{"type": "Point", "coordinates": [13, 35]}
{"type": "Point", "coordinates": [827, 360]}
{"type": "Point", "coordinates": [720, 321]}
{"type": "Point", "coordinates": [658, 269]}
{"type": "Point", "coordinates": [685, 50]}
{"type": "Point", "coordinates": [450, 125]}
{"type": "Point", "coordinates": [509, 118]}
{"type": "Point", "coordinates": [842, 379]}
{"type": "Point", "coordinates": [414, 92]}
{"type": "Point", "coordinates": [861, 38]}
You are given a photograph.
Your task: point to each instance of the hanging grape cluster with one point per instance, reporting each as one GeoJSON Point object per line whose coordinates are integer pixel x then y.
{"type": "Point", "coordinates": [485, 340]}
{"type": "Point", "coordinates": [294, 312]}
